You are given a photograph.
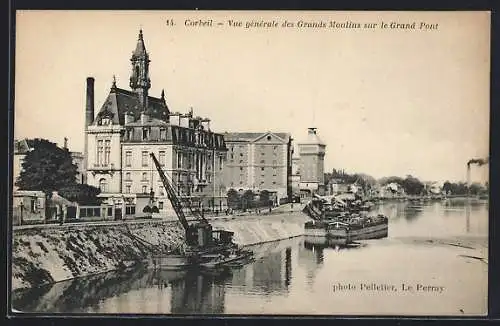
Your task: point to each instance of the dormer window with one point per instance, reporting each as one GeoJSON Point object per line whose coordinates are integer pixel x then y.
{"type": "Point", "coordinates": [145, 134]}
{"type": "Point", "coordinates": [106, 117]}
{"type": "Point", "coordinates": [130, 133]}
{"type": "Point", "coordinates": [163, 134]}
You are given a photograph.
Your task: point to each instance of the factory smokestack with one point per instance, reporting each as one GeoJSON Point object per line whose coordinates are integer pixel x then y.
{"type": "Point", "coordinates": [479, 162]}
{"type": "Point", "coordinates": [89, 108]}
{"type": "Point", "coordinates": [89, 119]}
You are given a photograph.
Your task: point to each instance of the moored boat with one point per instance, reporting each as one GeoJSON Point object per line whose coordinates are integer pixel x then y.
{"type": "Point", "coordinates": [345, 226]}
{"type": "Point", "coordinates": [217, 260]}
{"type": "Point", "coordinates": [171, 262]}
{"type": "Point", "coordinates": [363, 228]}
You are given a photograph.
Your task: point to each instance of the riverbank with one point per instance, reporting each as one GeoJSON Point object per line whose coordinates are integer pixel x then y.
{"type": "Point", "coordinates": [55, 253]}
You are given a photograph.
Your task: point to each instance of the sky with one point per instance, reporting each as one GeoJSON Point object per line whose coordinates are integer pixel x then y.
{"type": "Point", "coordinates": [385, 101]}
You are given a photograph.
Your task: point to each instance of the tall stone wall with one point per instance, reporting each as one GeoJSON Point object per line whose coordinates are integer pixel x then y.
{"type": "Point", "coordinates": [51, 254]}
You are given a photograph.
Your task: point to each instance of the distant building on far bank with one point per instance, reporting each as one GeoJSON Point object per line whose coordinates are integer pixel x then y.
{"type": "Point", "coordinates": [259, 161]}
{"type": "Point", "coordinates": [337, 186]}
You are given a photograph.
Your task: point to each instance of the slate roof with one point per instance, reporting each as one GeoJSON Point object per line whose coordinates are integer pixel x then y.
{"type": "Point", "coordinates": [249, 136]}
{"type": "Point", "coordinates": [140, 49]}
{"type": "Point", "coordinates": [151, 122]}
{"type": "Point", "coordinates": [120, 101]}
{"type": "Point", "coordinates": [312, 138]}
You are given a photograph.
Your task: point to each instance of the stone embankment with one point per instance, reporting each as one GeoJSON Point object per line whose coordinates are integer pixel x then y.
{"type": "Point", "coordinates": [47, 255]}
{"type": "Point", "coordinates": [51, 254]}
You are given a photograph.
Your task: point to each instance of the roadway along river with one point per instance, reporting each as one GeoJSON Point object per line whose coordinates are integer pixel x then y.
{"type": "Point", "coordinates": [434, 262]}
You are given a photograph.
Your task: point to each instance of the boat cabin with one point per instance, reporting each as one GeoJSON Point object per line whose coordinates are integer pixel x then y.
{"type": "Point", "coordinates": [222, 236]}
{"type": "Point", "coordinates": [202, 234]}
{"type": "Point", "coordinates": [199, 235]}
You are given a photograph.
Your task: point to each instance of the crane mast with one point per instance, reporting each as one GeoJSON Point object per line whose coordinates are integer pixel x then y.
{"type": "Point", "coordinates": [201, 239]}
{"type": "Point", "coordinates": [198, 235]}
{"type": "Point", "coordinates": [176, 204]}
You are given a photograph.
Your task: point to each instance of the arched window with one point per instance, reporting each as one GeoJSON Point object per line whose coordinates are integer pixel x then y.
{"type": "Point", "coordinates": [103, 185]}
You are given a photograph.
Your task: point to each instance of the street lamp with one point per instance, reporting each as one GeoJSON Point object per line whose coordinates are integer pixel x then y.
{"type": "Point", "coordinates": [21, 206]}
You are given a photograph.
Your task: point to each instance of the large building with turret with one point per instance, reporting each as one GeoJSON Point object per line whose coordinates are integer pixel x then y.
{"type": "Point", "coordinates": [311, 163]}
{"type": "Point", "coordinates": [130, 125]}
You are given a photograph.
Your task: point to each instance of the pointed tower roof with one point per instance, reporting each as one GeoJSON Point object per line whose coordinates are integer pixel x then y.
{"type": "Point", "coordinates": [140, 49]}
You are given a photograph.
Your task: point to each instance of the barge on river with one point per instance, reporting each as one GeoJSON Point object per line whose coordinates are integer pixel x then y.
{"type": "Point", "coordinates": [346, 226]}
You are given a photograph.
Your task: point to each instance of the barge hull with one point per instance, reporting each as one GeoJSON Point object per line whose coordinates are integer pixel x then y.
{"type": "Point", "coordinates": [366, 233]}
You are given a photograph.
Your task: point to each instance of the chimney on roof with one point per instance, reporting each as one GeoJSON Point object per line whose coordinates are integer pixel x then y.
{"type": "Point", "coordinates": [184, 120]}
{"type": "Point", "coordinates": [311, 130]}
{"type": "Point", "coordinates": [129, 117]}
{"type": "Point", "coordinates": [144, 117]}
{"type": "Point", "coordinates": [174, 118]}
{"type": "Point", "coordinates": [205, 122]}
{"type": "Point", "coordinates": [65, 143]}
{"type": "Point", "coordinates": [89, 108]}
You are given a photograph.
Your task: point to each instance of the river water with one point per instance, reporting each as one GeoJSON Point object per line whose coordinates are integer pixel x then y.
{"type": "Point", "coordinates": [434, 262]}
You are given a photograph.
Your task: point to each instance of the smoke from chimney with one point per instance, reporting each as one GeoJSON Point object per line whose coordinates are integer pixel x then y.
{"type": "Point", "coordinates": [478, 161]}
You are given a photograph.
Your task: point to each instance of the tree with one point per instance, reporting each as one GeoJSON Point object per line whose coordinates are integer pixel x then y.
{"type": "Point", "coordinates": [393, 179]}
{"type": "Point", "coordinates": [81, 193]}
{"type": "Point", "coordinates": [248, 197]}
{"type": "Point", "coordinates": [233, 199]}
{"type": "Point", "coordinates": [47, 168]}
{"type": "Point", "coordinates": [476, 189]}
{"type": "Point", "coordinates": [460, 189]}
{"type": "Point", "coordinates": [455, 188]}
{"type": "Point", "coordinates": [412, 185]}
{"type": "Point", "coordinates": [264, 198]}
{"type": "Point", "coordinates": [447, 187]}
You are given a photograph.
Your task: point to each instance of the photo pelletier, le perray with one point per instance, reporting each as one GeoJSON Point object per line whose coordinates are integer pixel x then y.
{"type": "Point", "coordinates": [251, 165]}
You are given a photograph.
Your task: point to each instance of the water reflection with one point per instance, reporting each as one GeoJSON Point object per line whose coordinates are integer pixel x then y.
{"type": "Point", "coordinates": [419, 218]}
{"type": "Point", "coordinates": [319, 244]}
{"type": "Point", "coordinates": [411, 213]}
{"type": "Point", "coordinates": [199, 293]}
{"type": "Point", "coordinates": [272, 273]}
{"type": "Point", "coordinates": [188, 291]}
{"type": "Point", "coordinates": [72, 295]}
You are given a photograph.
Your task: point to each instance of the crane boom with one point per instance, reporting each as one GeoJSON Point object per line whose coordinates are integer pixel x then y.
{"type": "Point", "coordinates": [176, 204]}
